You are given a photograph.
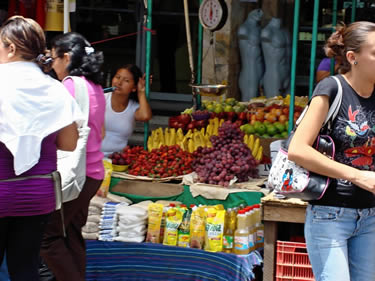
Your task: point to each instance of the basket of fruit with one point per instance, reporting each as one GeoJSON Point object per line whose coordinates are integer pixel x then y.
{"type": "Point", "coordinates": [209, 90]}
{"type": "Point", "coordinates": [200, 115]}
{"type": "Point", "coordinates": [120, 168]}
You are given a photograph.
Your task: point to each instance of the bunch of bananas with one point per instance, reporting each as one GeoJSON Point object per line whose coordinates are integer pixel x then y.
{"type": "Point", "coordinates": [254, 144]}
{"type": "Point", "coordinates": [188, 142]}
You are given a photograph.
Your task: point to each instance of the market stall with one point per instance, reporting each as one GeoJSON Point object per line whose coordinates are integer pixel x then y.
{"type": "Point", "coordinates": [155, 261]}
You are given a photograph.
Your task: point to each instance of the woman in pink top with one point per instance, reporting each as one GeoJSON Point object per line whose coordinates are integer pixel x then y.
{"type": "Point", "coordinates": [66, 256]}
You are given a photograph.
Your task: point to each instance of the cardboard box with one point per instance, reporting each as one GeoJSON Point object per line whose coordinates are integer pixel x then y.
{"type": "Point", "coordinates": [265, 142]}
{"type": "Point", "coordinates": [148, 189]}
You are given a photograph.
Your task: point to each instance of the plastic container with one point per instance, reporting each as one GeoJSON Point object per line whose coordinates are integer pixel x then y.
{"type": "Point", "coordinates": [241, 235]}
{"type": "Point", "coordinates": [292, 262]}
{"type": "Point", "coordinates": [120, 168]}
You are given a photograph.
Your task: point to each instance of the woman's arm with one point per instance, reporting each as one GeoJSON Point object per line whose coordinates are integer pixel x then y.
{"type": "Point", "coordinates": [103, 132]}
{"type": "Point", "coordinates": [301, 150]}
{"type": "Point", "coordinates": [143, 113]}
{"type": "Point", "coordinates": [67, 138]}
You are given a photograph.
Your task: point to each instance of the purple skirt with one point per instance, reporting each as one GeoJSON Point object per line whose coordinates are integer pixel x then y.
{"type": "Point", "coordinates": [32, 196]}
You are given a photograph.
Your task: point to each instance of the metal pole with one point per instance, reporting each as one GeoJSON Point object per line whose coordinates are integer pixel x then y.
{"type": "Point", "coordinates": [294, 64]}
{"type": "Point", "coordinates": [148, 62]}
{"type": "Point", "coordinates": [313, 46]}
{"type": "Point", "coordinates": [354, 9]}
{"type": "Point", "coordinates": [66, 16]}
{"type": "Point", "coordinates": [334, 23]}
{"type": "Point", "coordinates": [199, 63]}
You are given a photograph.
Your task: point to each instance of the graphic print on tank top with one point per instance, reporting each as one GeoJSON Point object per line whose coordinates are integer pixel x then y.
{"type": "Point", "coordinates": [357, 131]}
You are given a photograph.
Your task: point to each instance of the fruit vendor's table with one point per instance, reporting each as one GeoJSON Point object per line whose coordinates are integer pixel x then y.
{"type": "Point", "coordinates": [145, 261]}
{"type": "Point", "coordinates": [246, 197]}
{"type": "Point", "coordinates": [273, 211]}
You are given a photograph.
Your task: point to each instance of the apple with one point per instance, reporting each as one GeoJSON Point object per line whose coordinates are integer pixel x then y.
{"type": "Point", "coordinates": [230, 115]}
{"type": "Point", "coordinates": [191, 125]}
{"type": "Point", "coordinates": [184, 118]}
{"type": "Point", "coordinates": [201, 123]}
{"type": "Point", "coordinates": [242, 116]}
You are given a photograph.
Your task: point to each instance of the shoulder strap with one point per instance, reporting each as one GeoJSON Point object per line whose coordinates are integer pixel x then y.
{"type": "Point", "coordinates": [333, 109]}
{"type": "Point", "coordinates": [81, 95]}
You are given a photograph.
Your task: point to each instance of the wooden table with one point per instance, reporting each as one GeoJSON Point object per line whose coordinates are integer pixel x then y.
{"type": "Point", "coordinates": [273, 211]}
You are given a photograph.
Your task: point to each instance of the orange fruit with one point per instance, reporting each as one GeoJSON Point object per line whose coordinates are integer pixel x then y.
{"type": "Point", "coordinates": [283, 118]}
{"type": "Point", "coordinates": [271, 118]}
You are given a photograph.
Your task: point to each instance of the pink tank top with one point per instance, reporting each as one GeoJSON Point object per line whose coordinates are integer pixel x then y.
{"type": "Point", "coordinates": [94, 165]}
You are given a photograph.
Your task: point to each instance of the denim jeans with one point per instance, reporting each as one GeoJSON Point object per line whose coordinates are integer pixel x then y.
{"type": "Point", "coordinates": [341, 243]}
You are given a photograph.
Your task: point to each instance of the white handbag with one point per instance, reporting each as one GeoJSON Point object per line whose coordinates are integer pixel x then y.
{"type": "Point", "coordinates": [72, 164]}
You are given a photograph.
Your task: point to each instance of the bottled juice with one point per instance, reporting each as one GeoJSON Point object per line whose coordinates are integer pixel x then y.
{"type": "Point", "coordinates": [229, 229]}
{"type": "Point", "coordinates": [241, 235]}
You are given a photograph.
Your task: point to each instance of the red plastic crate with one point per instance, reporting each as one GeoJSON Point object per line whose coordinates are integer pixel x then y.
{"type": "Point", "coordinates": [292, 262]}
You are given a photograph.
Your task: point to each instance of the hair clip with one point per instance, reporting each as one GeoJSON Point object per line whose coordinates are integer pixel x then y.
{"type": "Point", "coordinates": [89, 50]}
{"type": "Point", "coordinates": [39, 57]}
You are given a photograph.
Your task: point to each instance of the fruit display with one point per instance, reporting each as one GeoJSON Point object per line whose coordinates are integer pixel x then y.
{"type": "Point", "coordinates": [190, 141]}
{"type": "Point", "coordinates": [126, 156]}
{"type": "Point", "coordinates": [227, 159]}
{"type": "Point", "coordinates": [253, 143]}
{"type": "Point", "coordinates": [166, 161]}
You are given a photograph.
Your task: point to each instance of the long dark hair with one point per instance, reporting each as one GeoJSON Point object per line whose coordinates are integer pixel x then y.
{"type": "Point", "coordinates": [137, 73]}
{"type": "Point", "coordinates": [84, 60]}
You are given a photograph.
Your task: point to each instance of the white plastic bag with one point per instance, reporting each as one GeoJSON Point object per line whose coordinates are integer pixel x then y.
{"type": "Point", "coordinates": [72, 164]}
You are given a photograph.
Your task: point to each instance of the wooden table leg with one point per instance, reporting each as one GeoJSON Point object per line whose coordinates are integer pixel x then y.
{"type": "Point", "coordinates": [270, 236]}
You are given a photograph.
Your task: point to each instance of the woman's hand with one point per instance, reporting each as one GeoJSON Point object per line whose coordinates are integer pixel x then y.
{"type": "Point", "coordinates": [365, 180]}
{"type": "Point", "coordinates": [141, 86]}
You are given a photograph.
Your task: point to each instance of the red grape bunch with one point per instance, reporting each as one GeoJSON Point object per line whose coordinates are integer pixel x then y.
{"type": "Point", "coordinates": [228, 157]}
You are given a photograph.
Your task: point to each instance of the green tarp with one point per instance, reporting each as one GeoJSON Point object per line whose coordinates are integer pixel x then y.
{"type": "Point", "coordinates": [233, 199]}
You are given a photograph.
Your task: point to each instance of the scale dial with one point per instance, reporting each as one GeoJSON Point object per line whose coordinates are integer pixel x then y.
{"type": "Point", "coordinates": [213, 14]}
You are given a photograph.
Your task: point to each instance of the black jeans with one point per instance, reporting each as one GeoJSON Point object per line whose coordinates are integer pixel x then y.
{"type": "Point", "coordinates": [66, 256]}
{"type": "Point", "coordinates": [20, 238]}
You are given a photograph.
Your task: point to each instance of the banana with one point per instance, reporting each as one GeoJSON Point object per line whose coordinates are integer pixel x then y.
{"type": "Point", "coordinates": [221, 122]}
{"type": "Point", "coordinates": [259, 155]}
{"type": "Point", "coordinates": [256, 147]}
{"type": "Point", "coordinates": [202, 131]}
{"type": "Point", "coordinates": [149, 143]}
{"type": "Point", "coordinates": [215, 130]}
{"type": "Point", "coordinates": [179, 135]}
{"type": "Point", "coordinates": [167, 136]}
{"type": "Point", "coordinates": [246, 139]}
{"type": "Point", "coordinates": [190, 145]}
{"type": "Point", "coordinates": [172, 136]}
{"type": "Point", "coordinates": [250, 142]}
{"type": "Point", "coordinates": [209, 129]}
{"type": "Point", "coordinates": [189, 134]}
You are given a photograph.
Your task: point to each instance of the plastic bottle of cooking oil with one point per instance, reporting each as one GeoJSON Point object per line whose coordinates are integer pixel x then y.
{"type": "Point", "coordinates": [229, 229]}
{"type": "Point", "coordinates": [252, 229]}
{"type": "Point", "coordinates": [241, 235]}
{"type": "Point", "coordinates": [259, 227]}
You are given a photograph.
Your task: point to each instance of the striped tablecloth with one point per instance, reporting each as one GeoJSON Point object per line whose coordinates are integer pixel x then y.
{"type": "Point", "coordinates": [146, 261]}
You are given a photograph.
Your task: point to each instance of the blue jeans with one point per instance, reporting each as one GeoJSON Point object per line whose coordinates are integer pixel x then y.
{"type": "Point", "coordinates": [4, 271]}
{"type": "Point", "coordinates": [341, 243]}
